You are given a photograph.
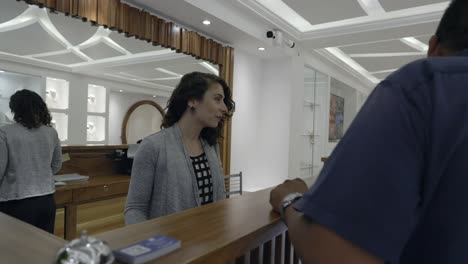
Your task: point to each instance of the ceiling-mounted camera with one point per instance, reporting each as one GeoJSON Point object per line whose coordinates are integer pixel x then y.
{"type": "Point", "coordinates": [279, 40]}
{"type": "Point", "coordinates": [271, 34]}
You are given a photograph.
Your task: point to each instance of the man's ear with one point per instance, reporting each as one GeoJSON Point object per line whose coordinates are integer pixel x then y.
{"type": "Point", "coordinates": [434, 47]}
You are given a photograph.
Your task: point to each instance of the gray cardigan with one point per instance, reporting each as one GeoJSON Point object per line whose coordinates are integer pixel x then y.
{"type": "Point", "coordinates": [28, 159]}
{"type": "Point", "coordinates": [163, 180]}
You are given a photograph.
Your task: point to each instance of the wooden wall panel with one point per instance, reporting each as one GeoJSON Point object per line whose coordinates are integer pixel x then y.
{"type": "Point", "coordinates": [123, 22]}
{"type": "Point", "coordinates": [44, 3]}
{"type": "Point", "coordinates": [184, 40]}
{"type": "Point", "coordinates": [88, 9]}
{"type": "Point", "coordinates": [163, 34]}
{"type": "Point", "coordinates": [147, 31]}
{"type": "Point", "coordinates": [114, 14]}
{"type": "Point", "coordinates": [133, 21]}
{"type": "Point", "coordinates": [176, 41]}
{"type": "Point", "coordinates": [74, 8]}
{"type": "Point", "coordinates": [168, 35]}
{"type": "Point", "coordinates": [203, 47]}
{"type": "Point", "coordinates": [63, 6]}
{"type": "Point", "coordinates": [103, 17]}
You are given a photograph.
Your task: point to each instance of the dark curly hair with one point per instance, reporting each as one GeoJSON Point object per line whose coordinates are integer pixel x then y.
{"type": "Point", "coordinates": [193, 86]}
{"type": "Point", "coordinates": [29, 109]}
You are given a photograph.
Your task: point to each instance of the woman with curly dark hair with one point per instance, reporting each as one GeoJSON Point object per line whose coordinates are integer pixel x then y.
{"type": "Point", "coordinates": [30, 154]}
{"type": "Point", "coordinates": [179, 167]}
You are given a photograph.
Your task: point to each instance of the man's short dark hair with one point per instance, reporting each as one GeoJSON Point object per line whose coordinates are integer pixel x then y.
{"type": "Point", "coordinates": [453, 28]}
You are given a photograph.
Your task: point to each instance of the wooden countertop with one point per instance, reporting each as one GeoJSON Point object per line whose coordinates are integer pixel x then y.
{"type": "Point", "coordinates": [23, 243]}
{"type": "Point", "coordinates": [92, 148]}
{"type": "Point", "coordinates": [95, 181]}
{"type": "Point", "coordinates": [215, 233]}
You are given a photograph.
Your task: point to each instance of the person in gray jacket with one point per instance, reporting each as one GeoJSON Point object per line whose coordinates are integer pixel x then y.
{"type": "Point", "coordinates": [30, 153]}
{"type": "Point", "coordinates": [179, 167]}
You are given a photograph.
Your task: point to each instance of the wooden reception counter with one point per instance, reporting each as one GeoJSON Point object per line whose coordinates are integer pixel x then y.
{"type": "Point", "coordinates": [23, 243]}
{"type": "Point", "coordinates": [236, 230]}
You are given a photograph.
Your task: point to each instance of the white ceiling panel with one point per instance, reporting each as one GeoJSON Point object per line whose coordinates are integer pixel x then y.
{"type": "Point", "coordinates": [424, 39]}
{"type": "Point", "coordinates": [378, 47]}
{"type": "Point", "coordinates": [382, 76]}
{"type": "Point", "coordinates": [139, 71]}
{"type": "Point", "coordinates": [373, 36]}
{"type": "Point", "coordinates": [187, 68]}
{"type": "Point", "coordinates": [101, 51]}
{"type": "Point", "coordinates": [171, 83]}
{"type": "Point", "coordinates": [133, 45]}
{"type": "Point", "coordinates": [66, 59]}
{"type": "Point", "coordinates": [74, 30]}
{"type": "Point", "coordinates": [393, 5]}
{"type": "Point", "coordinates": [387, 63]}
{"type": "Point", "coordinates": [323, 11]}
{"type": "Point", "coordinates": [11, 9]}
{"type": "Point", "coordinates": [29, 40]}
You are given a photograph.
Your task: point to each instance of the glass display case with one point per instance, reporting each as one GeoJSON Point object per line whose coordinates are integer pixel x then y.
{"type": "Point", "coordinates": [316, 85]}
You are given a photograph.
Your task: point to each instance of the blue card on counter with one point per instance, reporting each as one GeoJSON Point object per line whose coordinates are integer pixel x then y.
{"type": "Point", "coordinates": [146, 250]}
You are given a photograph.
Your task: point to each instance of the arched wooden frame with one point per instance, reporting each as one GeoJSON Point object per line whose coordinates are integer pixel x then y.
{"type": "Point", "coordinates": [142, 25]}
{"type": "Point", "coordinates": [129, 113]}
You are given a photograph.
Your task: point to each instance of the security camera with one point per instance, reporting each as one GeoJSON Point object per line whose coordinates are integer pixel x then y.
{"type": "Point", "coordinates": [279, 40]}
{"type": "Point", "coordinates": [271, 34]}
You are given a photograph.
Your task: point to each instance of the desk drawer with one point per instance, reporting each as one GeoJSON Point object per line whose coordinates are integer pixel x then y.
{"type": "Point", "coordinates": [63, 197]}
{"type": "Point", "coordinates": [99, 192]}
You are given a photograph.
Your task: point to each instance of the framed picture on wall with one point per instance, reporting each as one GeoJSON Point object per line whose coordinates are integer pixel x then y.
{"type": "Point", "coordinates": [335, 129]}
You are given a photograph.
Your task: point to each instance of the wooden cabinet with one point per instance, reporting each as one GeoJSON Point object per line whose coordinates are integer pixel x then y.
{"type": "Point", "coordinates": [99, 192]}
{"type": "Point", "coordinates": [98, 188]}
{"type": "Point", "coordinates": [63, 197]}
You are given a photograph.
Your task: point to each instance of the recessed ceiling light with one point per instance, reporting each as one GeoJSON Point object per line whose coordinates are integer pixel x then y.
{"type": "Point", "coordinates": [206, 22]}
{"type": "Point", "coordinates": [2, 71]}
{"type": "Point", "coordinates": [261, 48]}
{"type": "Point", "coordinates": [121, 91]}
{"type": "Point", "coordinates": [154, 95]}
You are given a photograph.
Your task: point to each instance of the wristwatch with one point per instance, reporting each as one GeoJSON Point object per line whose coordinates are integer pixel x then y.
{"type": "Point", "coordinates": [287, 201]}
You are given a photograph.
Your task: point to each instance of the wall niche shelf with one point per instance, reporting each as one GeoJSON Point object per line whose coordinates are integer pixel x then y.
{"type": "Point", "coordinates": [57, 96]}
{"type": "Point", "coordinates": [97, 96]}
{"type": "Point", "coordinates": [57, 93]}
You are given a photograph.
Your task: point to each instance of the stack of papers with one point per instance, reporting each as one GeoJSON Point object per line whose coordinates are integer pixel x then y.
{"type": "Point", "coordinates": [69, 178]}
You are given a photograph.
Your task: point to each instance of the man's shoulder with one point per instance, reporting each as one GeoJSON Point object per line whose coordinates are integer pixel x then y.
{"type": "Point", "coordinates": [423, 71]}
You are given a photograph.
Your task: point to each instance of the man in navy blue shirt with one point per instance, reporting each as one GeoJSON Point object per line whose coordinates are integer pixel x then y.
{"type": "Point", "coordinates": [395, 189]}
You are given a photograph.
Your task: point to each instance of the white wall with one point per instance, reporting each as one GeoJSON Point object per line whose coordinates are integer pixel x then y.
{"type": "Point", "coordinates": [274, 120]}
{"type": "Point", "coordinates": [266, 129]}
{"type": "Point", "coordinates": [260, 125]}
{"type": "Point", "coordinates": [248, 74]}
{"type": "Point", "coordinates": [119, 103]}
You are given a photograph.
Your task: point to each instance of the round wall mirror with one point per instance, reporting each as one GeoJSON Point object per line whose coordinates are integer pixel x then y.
{"type": "Point", "coordinates": [142, 119]}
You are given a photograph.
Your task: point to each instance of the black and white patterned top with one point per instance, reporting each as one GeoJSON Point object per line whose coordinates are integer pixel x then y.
{"type": "Point", "coordinates": [204, 178]}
